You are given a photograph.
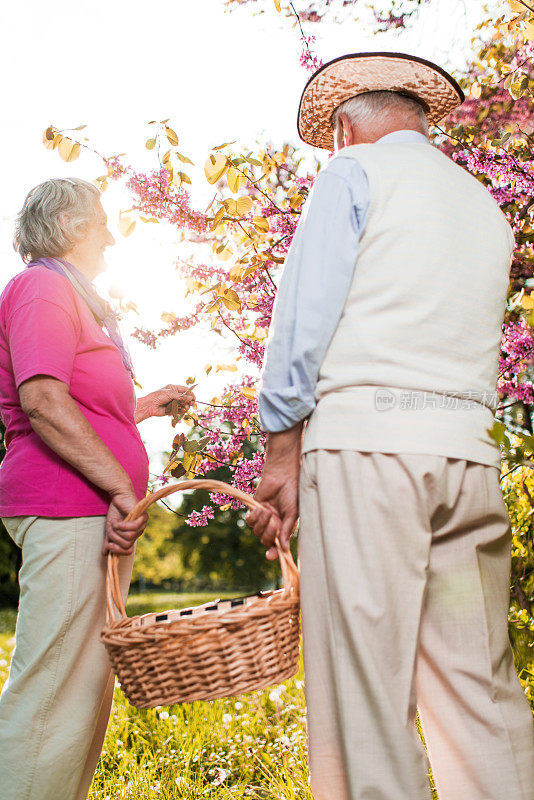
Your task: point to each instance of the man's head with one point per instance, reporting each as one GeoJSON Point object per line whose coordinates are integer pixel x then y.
{"type": "Point", "coordinates": [360, 97]}
{"type": "Point", "coordinates": [369, 116]}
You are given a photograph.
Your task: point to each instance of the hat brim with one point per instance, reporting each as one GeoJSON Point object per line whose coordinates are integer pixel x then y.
{"type": "Point", "coordinates": [357, 73]}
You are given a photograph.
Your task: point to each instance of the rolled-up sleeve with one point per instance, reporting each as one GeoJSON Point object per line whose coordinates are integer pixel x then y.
{"type": "Point", "coordinates": [42, 340]}
{"type": "Point", "coordinates": [312, 293]}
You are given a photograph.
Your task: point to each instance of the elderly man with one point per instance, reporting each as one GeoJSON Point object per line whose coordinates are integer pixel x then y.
{"type": "Point", "coordinates": [385, 338]}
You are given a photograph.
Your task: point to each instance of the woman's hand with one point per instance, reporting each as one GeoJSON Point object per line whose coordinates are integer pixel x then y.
{"type": "Point", "coordinates": [121, 536]}
{"type": "Point", "coordinates": [156, 404]}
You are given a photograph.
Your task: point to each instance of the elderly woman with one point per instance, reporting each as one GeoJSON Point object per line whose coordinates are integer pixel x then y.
{"type": "Point", "coordinates": [75, 467]}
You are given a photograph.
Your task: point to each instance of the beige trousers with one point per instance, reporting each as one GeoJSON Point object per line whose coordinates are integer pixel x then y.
{"type": "Point", "coordinates": [405, 568]}
{"type": "Point", "coordinates": [55, 705]}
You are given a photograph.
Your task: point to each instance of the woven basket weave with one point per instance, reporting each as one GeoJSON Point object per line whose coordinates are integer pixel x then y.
{"type": "Point", "coordinates": [219, 649]}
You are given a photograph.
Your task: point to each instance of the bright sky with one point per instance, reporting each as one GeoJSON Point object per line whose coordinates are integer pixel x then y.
{"type": "Point", "coordinates": [219, 76]}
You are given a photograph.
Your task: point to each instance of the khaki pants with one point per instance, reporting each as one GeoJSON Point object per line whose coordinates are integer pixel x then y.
{"type": "Point", "coordinates": [405, 564]}
{"type": "Point", "coordinates": [55, 705]}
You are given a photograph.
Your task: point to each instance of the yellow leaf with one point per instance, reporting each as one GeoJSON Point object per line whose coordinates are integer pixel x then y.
{"type": "Point", "coordinates": [261, 224]}
{"type": "Point", "coordinates": [215, 167]}
{"type": "Point", "coordinates": [126, 224]}
{"type": "Point", "coordinates": [231, 295]}
{"type": "Point", "coordinates": [236, 273]}
{"type": "Point", "coordinates": [250, 270]}
{"type": "Point", "coordinates": [150, 144]}
{"type": "Point", "coordinates": [172, 136]}
{"type": "Point", "coordinates": [277, 4]}
{"type": "Point", "coordinates": [52, 144]}
{"type": "Point", "coordinates": [183, 159]}
{"type": "Point", "coordinates": [225, 254]}
{"type": "Point", "coordinates": [101, 183]}
{"type": "Point", "coordinates": [476, 91]}
{"type": "Point", "coordinates": [225, 144]}
{"type": "Point", "coordinates": [248, 392]}
{"type": "Point", "coordinates": [189, 461]}
{"type": "Point", "coordinates": [226, 368]}
{"type": "Point", "coordinates": [217, 218]}
{"type": "Point", "coordinates": [179, 178]}
{"type": "Point", "coordinates": [231, 300]}
{"type": "Point", "coordinates": [296, 200]}
{"type": "Point", "coordinates": [234, 179]}
{"type": "Point", "coordinates": [213, 306]}
{"type": "Point", "coordinates": [68, 150]}
{"type": "Point", "coordinates": [239, 207]}
{"type": "Point", "coordinates": [527, 301]}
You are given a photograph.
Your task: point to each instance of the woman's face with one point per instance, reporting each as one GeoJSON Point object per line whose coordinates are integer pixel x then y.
{"type": "Point", "coordinates": [88, 253]}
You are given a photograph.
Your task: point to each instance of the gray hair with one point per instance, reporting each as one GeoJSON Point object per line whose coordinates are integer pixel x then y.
{"type": "Point", "coordinates": [53, 212]}
{"type": "Point", "coordinates": [364, 108]}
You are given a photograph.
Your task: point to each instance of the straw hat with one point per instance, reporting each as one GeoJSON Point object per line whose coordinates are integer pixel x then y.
{"type": "Point", "coordinates": [354, 74]}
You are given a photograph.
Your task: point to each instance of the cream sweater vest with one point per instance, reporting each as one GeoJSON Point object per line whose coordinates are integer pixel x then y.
{"type": "Point", "coordinates": [423, 318]}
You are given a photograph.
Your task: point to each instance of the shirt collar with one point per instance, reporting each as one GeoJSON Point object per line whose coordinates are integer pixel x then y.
{"type": "Point", "coordinates": [404, 136]}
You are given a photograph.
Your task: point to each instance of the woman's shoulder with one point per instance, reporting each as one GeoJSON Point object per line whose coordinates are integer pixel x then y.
{"type": "Point", "coordinates": [38, 283]}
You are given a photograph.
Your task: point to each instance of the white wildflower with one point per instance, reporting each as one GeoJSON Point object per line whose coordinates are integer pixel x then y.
{"type": "Point", "coordinates": [220, 777]}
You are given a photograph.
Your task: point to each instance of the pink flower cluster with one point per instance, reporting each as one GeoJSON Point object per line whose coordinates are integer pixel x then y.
{"type": "Point", "coordinates": [115, 169]}
{"type": "Point", "coordinates": [200, 518]}
{"type": "Point", "coordinates": [518, 349]}
{"type": "Point", "coordinates": [156, 195]}
{"type": "Point", "coordinates": [309, 60]}
{"type": "Point", "coordinates": [509, 179]}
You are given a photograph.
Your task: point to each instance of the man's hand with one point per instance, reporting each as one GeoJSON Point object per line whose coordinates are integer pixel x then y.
{"type": "Point", "coordinates": [121, 536]}
{"type": "Point", "coordinates": [278, 491]}
{"type": "Point", "coordinates": [156, 404]}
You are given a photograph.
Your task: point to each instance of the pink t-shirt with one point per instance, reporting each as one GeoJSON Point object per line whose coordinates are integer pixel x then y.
{"type": "Point", "coordinates": [46, 328]}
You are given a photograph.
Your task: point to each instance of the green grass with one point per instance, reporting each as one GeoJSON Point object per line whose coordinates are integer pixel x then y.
{"type": "Point", "coordinates": [253, 746]}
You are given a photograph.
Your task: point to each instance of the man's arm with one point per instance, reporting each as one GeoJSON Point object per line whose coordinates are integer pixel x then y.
{"type": "Point", "coordinates": [309, 303]}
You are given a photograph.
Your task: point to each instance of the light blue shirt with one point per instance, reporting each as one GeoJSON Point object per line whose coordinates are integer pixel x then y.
{"type": "Point", "coordinates": [314, 286]}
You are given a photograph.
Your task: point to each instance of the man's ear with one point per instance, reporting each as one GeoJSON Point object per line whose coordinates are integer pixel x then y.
{"type": "Point", "coordinates": [347, 132]}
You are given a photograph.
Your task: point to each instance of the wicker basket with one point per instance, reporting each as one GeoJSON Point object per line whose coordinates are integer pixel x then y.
{"type": "Point", "coordinates": [219, 649]}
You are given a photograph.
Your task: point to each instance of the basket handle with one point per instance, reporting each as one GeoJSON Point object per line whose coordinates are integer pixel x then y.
{"type": "Point", "coordinates": [290, 573]}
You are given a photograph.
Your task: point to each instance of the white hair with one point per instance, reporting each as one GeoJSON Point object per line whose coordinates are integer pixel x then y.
{"type": "Point", "coordinates": [364, 108]}
{"type": "Point", "coordinates": [53, 212]}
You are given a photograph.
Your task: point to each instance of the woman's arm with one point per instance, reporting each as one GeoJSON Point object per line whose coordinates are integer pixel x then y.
{"type": "Point", "coordinates": [57, 420]}
{"type": "Point", "coordinates": [155, 404]}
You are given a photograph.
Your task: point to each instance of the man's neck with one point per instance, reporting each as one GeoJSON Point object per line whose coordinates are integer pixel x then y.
{"type": "Point", "coordinates": [387, 130]}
